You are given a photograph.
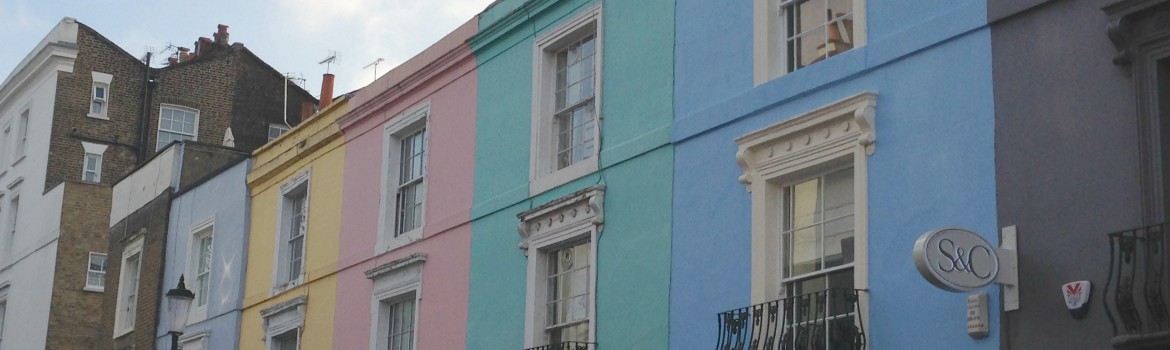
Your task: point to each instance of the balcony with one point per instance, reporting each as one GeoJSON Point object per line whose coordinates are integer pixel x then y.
{"type": "Point", "coordinates": [825, 320]}
{"type": "Point", "coordinates": [1134, 295]}
{"type": "Point", "coordinates": [568, 345]}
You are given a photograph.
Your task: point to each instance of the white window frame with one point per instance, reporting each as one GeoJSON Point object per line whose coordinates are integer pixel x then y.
{"type": "Point", "coordinates": [122, 324]}
{"type": "Point", "coordinates": [6, 144]}
{"type": "Point", "coordinates": [543, 172]}
{"type": "Point", "coordinates": [562, 222]}
{"type": "Point", "coordinates": [93, 152]}
{"type": "Point", "coordinates": [834, 136]}
{"type": "Point", "coordinates": [281, 260]}
{"type": "Point", "coordinates": [393, 282]}
{"type": "Point", "coordinates": [103, 81]}
{"type": "Point", "coordinates": [195, 340]}
{"type": "Point", "coordinates": [3, 311]}
{"type": "Point", "coordinates": [89, 271]}
{"type": "Point", "coordinates": [769, 48]}
{"type": "Point", "coordinates": [22, 130]}
{"type": "Point", "coordinates": [405, 124]}
{"type": "Point", "coordinates": [283, 129]}
{"type": "Point", "coordinates": [11, 224]}
{"type": "Point", "coordinates": [159, 130]}
{"type": "Point", "coordinates": [283, 318]}
{"type": "Point", "coordinates": [206, 228]}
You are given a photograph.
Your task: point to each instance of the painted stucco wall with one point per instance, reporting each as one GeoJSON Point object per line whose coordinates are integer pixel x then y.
{"type": "Point", "coordinates": [1068, 171]}
{"type": "Point", "coordinates": [929, 64]}
{"type": "Point", "coordinates": [28, 270]}
{"type": "Point", "coordinates": [323, 154]}
{"type": "Point", "coordinates": [633, 251]}
{"type": "Point", "coordinates": [222, 199]}
{"type": "Point", "coordinates": [450, 90]}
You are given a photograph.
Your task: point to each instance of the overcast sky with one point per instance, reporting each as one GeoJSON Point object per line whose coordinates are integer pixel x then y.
{"type": "Point", "coordinates": [291, 35]}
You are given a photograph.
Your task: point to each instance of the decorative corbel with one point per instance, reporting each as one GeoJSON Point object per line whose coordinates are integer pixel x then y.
{"type": "Point", "coordinates": [865, 119]}
{"type": "Point", "coordinates": [522, 229]}
{"type": "Point", "coordinates": [1118, 31]}
{"type": "Point", "coordinates": [746, 178]}
{"type": "Point", "coordinates": [597, 204]}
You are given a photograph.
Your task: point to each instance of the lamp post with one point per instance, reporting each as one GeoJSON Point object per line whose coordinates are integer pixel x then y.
{"type": "Point", "coordinates": [178, 302]}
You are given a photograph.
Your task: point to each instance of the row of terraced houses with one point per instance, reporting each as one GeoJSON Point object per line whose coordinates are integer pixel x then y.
{"type": "Point", "coordinates": [604, 175]}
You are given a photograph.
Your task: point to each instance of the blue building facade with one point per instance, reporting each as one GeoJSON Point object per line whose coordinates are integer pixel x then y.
{"type": "Point", "coordinates": [207, 241]}
{"type": "Point", "coordinates": [814, 143]}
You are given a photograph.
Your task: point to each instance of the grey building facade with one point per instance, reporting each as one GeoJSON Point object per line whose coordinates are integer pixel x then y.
{"type": "Point", "coordinates": [1082, 104]}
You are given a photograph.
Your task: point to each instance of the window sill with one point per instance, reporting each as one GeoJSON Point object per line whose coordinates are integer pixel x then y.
{"type": "Point", "coordinates": [121, 332]}
{"type": "Point", "coordinates": [18, 159]}
{"type": "Point", "coordinates": [198, 314]}
{"type": "Point", "coordinates": [392, 243]}
{"type": "Point", "coordinates": [548, 181]}
{"type": "Point", "coordinates": [94, 289]}
{"type": "Point", "coordinates": [98, 116]}
{"type": "Point", "coordinates": [286, 286]}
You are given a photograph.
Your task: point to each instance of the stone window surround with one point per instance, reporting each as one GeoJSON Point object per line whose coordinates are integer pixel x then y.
{"type": "Point", "coordinates": [405, 123]}
{"type": "Point", "coordinates": [197, 313]}
{"type": "Point", "coordinates": [776, 155]}
{"type": "Point", "coordinates": [95, 149]}
{"type": "Point", "coordinates": [134, 247]}
{"type": "Point", "coordinates": [392, 281]}
{"type": "Point", "coordinates": [279, 319]}
{"type": "Point", "coordinates": [573, 218]}
{"type": "Point", "coordinates": [281, 256]}
{"type": "Point", "coordinates": [543, 174]}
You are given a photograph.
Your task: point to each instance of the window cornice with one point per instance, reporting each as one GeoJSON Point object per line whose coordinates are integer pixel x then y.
{"type": "Point", "coordinates": [584, 207]}
{"type": "Point", "coordinates": [845, 123]}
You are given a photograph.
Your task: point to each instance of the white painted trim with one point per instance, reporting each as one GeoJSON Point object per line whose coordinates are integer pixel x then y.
{"type": "Point", "coordinates": [197, 340]}
{"type": "Point", "coordinates": [286, 316]}
{"type": "Point", "coordinates": [769, 52]}
{"type": "Point", "coordinates": [92, 288]}
{"type": "Point", "coordinates": [135, 247]}
{"type": "Point", "coordinates": [542, 156]}
{"type": "Point", "coordinates": [775, 156]}
{"type": "Point", "coordinates": [409, 121]}
{"type": "Point", "coordinates": [196, 313]}
{"type": "Point", "coordinates": [104, 80]}
{"type": "Point", "coordinates": [279, 284]}
{"type": "Point", "coordinates": [95, 149]}
{"type": "Point", "coordinates": [566, 220]}
{"type": "Point", "coordinates": [158, 125]}
{"type": "Point", "coordinates": [392, 281]}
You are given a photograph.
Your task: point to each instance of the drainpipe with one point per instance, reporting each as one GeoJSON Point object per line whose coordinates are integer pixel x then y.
{"type": "Point", "coordinates": [144, 121]}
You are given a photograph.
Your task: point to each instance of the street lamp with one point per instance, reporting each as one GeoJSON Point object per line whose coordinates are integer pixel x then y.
{"type": "Point", "coordinates": [178, 302]}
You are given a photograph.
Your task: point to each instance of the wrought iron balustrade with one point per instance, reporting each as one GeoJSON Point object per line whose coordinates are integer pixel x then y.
{"type": "Point", "coordinates": [1134, 296]}
{"type": "Point", "coordinates": [825, 320]}
{"type": "Point", "coordinates": [568, 345]}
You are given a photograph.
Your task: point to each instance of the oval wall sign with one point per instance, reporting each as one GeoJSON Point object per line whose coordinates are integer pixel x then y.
{"type": "Point", "coordinates": [955, 259]}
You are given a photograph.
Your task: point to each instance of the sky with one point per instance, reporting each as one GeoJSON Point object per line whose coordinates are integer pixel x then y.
{"type": "Point", "coordinates": [290, 35]}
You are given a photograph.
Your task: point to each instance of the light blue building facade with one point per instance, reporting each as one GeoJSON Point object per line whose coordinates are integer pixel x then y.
{"type": "Point", "coordinates": [207, 242]}
{"type": "Point", "coordinates": [814, 143]}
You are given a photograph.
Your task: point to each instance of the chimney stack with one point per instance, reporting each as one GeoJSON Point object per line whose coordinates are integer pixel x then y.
{"type": "Point", "coordinates": [202, 45]}
{"type": "Point", "coordinates": [307, 110]}
{"type": "Point", "coordinates": [172, 60]}
{"type": "Point", "coordinates": [221, 36]}
{"type": "Point", "coordinates": [184, 54]}
{"type": "Point", "coordinates": [326, 90]}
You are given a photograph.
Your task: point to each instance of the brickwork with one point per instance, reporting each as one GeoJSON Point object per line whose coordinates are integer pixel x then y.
{"type": "Point", "coordinates": [71, 125]}
{"type": "Point", "coordinates": [73, 312]}
{"type": "Point", "coordinates": [259, 101]}
{"type": "Point", "coordinates": [149, 222]}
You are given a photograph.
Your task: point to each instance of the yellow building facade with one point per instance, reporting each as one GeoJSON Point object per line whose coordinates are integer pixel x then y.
{"type": "Point", "coordinates": [290, 285]}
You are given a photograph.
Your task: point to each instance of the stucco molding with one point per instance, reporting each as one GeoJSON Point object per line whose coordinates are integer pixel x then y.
{"type": "Point", "coordinates": [565, 214]}
{"type": "Point", "coordinates": [283, 306]}
{"type": "Point", "coordinates": [416, 258]}
{"type": "Point", "coordinates": [798, 140]}
{"type": "Point", "coordinates": [1134, 23]}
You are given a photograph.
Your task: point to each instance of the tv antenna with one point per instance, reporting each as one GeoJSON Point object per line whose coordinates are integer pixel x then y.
{"type": "Point", "coordinates": [150, 51]}
{"type": "Point", "coordinates": [375, 65]}
{"type": "Point", "coordinates": [328, 61]}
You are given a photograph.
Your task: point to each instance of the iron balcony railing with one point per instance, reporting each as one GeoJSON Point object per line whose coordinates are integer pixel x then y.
{"type": "Point", "coordinates": [825, 320]}
{"type": "Point", "coordinates": [568, 345]}
{"type": "Point", "coordinates": [1135, 294]}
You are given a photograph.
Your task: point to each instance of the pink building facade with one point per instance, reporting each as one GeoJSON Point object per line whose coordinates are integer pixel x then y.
{"type": "Point", "coordinates": [405, 235]}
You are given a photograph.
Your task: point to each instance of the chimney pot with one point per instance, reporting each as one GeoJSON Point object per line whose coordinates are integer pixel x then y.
{"type": "Point", "coordinates": [221, 36]}
{"type": "Point", "coordinates": [184, 54]}
{"type": "Point", "coordinates": [326, 90]}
